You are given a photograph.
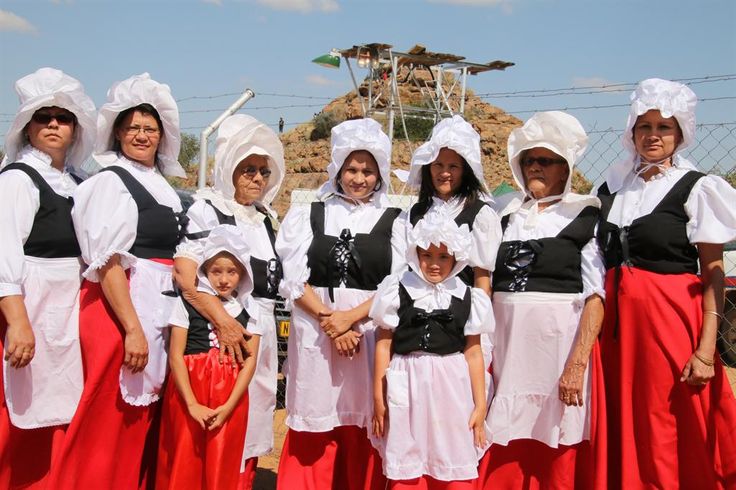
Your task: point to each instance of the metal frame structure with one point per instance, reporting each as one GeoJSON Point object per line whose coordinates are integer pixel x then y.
{"type": "Point", "coordinates": [379, 58]}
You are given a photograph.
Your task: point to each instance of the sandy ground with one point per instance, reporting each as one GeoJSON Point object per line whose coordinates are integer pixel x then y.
{"type": "Point", "coordinates": [266, 474]}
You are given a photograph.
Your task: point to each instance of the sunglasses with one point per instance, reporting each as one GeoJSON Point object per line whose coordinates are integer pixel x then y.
{"type": "Point", "coordinates": [61, 118]}
{"type": "Point", "coordinates": [252, 171]}
{"type": "Point", "coordinates": [543, 161]}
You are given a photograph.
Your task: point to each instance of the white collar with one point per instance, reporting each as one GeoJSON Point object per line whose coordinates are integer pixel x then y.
{"type": "Point", "coordinates": [230, 207]}
{"type": "Point", "coordinates": [419, 288]}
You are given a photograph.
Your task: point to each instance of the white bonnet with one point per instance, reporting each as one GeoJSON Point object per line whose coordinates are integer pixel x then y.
{"type": "Point", "coordinates": [227, 238]}
{"type": "Point", "coordinates": [49, 87]}
{"type": "Point", "coordinates": [238, 137]}
{"type": "Point", "coordinates": [359, 134]}
{"type": "Point", "coordinates": [136, 90]}
{"type": "Point", "coordinates": [554, 130]}
{"type": "Point", "coordinates": [456, 134]}
{"type": "Point", "coordinates": [438, 228]}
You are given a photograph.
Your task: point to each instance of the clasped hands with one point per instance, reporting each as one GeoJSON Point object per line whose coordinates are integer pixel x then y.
{"type": "Point", "coordinates": [338, 326]}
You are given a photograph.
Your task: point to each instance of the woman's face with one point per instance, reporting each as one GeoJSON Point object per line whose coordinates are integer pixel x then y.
{"type": "Point", "coordinates": [359, 175]}
{"type": "Point", "coordinates": [139, 136]}
{"type": "Point", "coordinates": [250, 179]}
{"type": "Point", "coordinates": [435, 262]}
{"type": "Point", "coordinates": [545, 172]}
{"type": "Point", "coordinates": [51, 130]}
{"type": "Point", "coordinates": [447, 173]}
{"type": "Point", "coordinates": [656, 137]}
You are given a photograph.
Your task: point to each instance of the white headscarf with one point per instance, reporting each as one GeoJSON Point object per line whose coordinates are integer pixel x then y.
{"type": "Point", "coordinates": [136, 90]}
{"type": "Point", "coordinates": [456, 134]}
{"type": "Point", "coordinates": [227, 238]}
{"type": "Point", "coordinates": [671, 99]}
{"type": "Point", "coordinates": [359, 134]}
{"type": "Point", "coordinates": [49, 87]}
{"type": "Point", "coordinates": [438, 229]}
{"type": "Point", "coordinates": [238, 137]}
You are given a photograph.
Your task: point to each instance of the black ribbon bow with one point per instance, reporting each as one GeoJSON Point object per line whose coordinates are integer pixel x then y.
{"type": "Point", "coordinates": [340, 254]}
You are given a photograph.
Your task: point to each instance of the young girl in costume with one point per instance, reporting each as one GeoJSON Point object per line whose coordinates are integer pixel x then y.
{"type": "Point", "coordinates": [429, 391]}
{"type": "Point", "coordinates": [205, 411]}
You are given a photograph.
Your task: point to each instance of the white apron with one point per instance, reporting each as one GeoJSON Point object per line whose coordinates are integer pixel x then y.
{"type": "Point", "coordinates": [148, 279]}
{"type": "Point", "coordinates": [262, 388]}
{"type": "Point", "coordinates": [46, 391]}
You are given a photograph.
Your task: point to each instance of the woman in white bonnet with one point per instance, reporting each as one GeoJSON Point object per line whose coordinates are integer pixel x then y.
{"type": "Point", "coordinates": [336, 251]}
{"type": "Point", "coordinates": [127, 220]}
{"type": "Point", "coordinates": [249, 169]}
{"type": "Point", "coordinates": [40, 272]}
{"type": "Point", "coordinates": [547, 302]}
{"type": "Point", "coordinates": [671, 410]}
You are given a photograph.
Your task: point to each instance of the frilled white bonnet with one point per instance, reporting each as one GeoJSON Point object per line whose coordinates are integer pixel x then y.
{"type": "Point", "coordinates": [671, 99]}
{"type": "Point", "coordinates": [238, 137]}
{"type": "Point", "coordinates": [436, 228]}
{"type": "Point", "coordinates": [359, 134]}
{"type": "Point", "coordinates": [554, 130]}
{"type": "Point", "coordinates": [49, 87]}
{"type": "Point", "coordinates": [456, 134]}
{"type": "Point", "coordinates": [227, 238]}
{"type": "Point", "coordinates": [136, 90]}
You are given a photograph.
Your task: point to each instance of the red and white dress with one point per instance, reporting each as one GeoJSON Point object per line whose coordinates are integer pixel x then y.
{"type": "Point", "coordinates": [664, 433]}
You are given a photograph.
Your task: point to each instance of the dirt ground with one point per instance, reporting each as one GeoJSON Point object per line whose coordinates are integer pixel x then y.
{"type": "Point", "coordinates": [267, 465]}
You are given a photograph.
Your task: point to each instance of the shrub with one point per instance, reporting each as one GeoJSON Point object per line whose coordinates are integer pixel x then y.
{"type": "Point", "coordinates": [418, 128]}
{"type": "Point", "coordinates": [323, 124]}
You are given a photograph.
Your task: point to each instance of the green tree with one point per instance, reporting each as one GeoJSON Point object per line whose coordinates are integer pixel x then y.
{"type": "Point", "coordinates": [189, 152]}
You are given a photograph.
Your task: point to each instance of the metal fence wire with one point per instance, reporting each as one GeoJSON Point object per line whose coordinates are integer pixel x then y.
{"type": "Point", "coordinates": [713, 152]}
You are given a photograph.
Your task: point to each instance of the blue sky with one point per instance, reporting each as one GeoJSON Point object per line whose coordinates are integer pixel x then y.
{"type": "Point", "coordinates": [206, 48]}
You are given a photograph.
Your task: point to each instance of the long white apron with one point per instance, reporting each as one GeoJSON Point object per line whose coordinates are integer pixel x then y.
{"type": "Point", "coordinates": [46, 391]}
{"type": "Point", "coordinates": [148, 280]}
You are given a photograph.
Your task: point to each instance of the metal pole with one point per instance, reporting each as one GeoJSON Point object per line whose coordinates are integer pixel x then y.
{"type": "Point", "coordinates": [392, 100]}
{"type": "Point", "coordinates": [355, 84]}
{"type": "Point", "coordinates": [462, 92]}
{"type": "Point", "coordinates": [206, 132]}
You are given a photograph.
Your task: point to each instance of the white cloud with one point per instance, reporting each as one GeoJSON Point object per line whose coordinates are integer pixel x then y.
{"type": "Point", "coordinates": [303, 6]}
{"type": "Point", "coordinates": [319, 80]}
{"type": "Point", "coordinates": [598, 82]}
{"type": "Point", "coordinates": [62, 2]}
{"type": "Point", "coordinates": [214, 2]}
{"type": "Point", "coordinates": [9, 22]}
{"type": "Point", "coordinates": [505, 5]}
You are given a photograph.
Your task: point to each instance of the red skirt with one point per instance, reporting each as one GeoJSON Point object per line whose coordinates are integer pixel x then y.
{"type": "Point", "coordinates": [26, 455]}
{"type": "Point", "coordinates": [341, 459]}
{"type": "Point", "coordinates": [104, 445]}
{"type": "Point", "coordinates": [189, 457]}
{"type": "Point", "coordinates": [248, 476]}
{"type": "Point", "coordinates": [663, 432]}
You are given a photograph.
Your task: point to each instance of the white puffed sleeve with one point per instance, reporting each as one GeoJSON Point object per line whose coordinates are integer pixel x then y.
{"type": "Point", "coordinates": [593, 269]}
{"type": "Point", "coordinates": [712, 211]}
{"type": "Point", "coordinates": [398, 244]}
{"type": "Point", "coordinates": [19, 203]}
{"type": "Point", "coordinates": [292, 244]}
{"type": "Point", "coordinates": [385, 308]}
{"type": "Point", "coordinates": [106, 222]}
{"type": "Point", "coordinates": [486, 239]}
{"type": "Point", "coordinates": [199, 220]}
{"type": "Point", "coordinates": [179, 316]}
{"type": "Point", "coordinates": [481, 319]}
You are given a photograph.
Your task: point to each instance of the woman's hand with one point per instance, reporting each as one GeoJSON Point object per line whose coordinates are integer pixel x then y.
{"type": "Point", "coordinates": [220, 416]}
{"type": "Point", "coordinates": [477, 425]}
{"type": "Point", "coordinates": [696, 372]}
{"type": "Point", "coordinates": [136, 350]}
{"type": "Point", "coordinates": [336, 323]}
{"type": "Point", "coordinates": [20, 344]}
{"type": "Point", "coordinates": [201, 414]}
{"type": "Point", "coordinates": [571, 384]}
{"type": "Point", "coordinates": [379, 417]}
{"type": "Point", "coordinates": [233, 339]}
{"type": "Point", "coordinates": [348, 344]}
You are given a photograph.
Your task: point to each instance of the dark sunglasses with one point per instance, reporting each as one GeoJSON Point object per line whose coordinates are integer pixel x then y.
{"type": "Point", "coordinates": [61, 118]}
{"type": "Point", "coordinates": [543, 161]}
{"type": "Point", "coordinates": [252, 171]}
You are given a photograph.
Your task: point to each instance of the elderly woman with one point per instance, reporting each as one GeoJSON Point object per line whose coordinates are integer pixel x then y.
{"type": "Point", "coordinates": [335, 254]}
{"type": "Point", "coordinates": [126, 220]}
{"type": "Point", "coordinates": [40, 272]}
{"type": "Point", "coordinates": [249, 169]}
{"type": "Point", "coordinates": [547, 301]}
{"type": "Point", "coordinates": [671, 411]}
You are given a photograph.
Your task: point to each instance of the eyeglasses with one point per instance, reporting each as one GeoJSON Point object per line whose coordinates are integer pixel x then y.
{"type": "Point", "coordinates": [251, 171]}
{"type": "Point", "coordinates": [148, 131]}
{"type": "Point", "coordinates": [543, 161]}
{"type": "Point", "coordinates": [61, 118]}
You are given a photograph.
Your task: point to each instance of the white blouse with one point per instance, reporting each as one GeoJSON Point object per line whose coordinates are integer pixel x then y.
{"type": "Point", "coordinates": [295, 237]}
{"type": "Point", "coordinates": [180, 318]}
{"type": "Point", "coordinates": [711, 218]}
{"type": "Point", "coordinates": [430, 297]}
{"type": "Point", "coordinates": [106, 216]}
{"type": "Point", "coordinates": [550, 221]}
{"type": "Point", "coordinates": [486, 231]}
{"type": "Point", "coordinates": [19, 203]}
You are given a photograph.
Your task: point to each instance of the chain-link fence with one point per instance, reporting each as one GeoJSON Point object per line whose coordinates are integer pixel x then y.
{"type": "Point", "coordinates": [714, 152]}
